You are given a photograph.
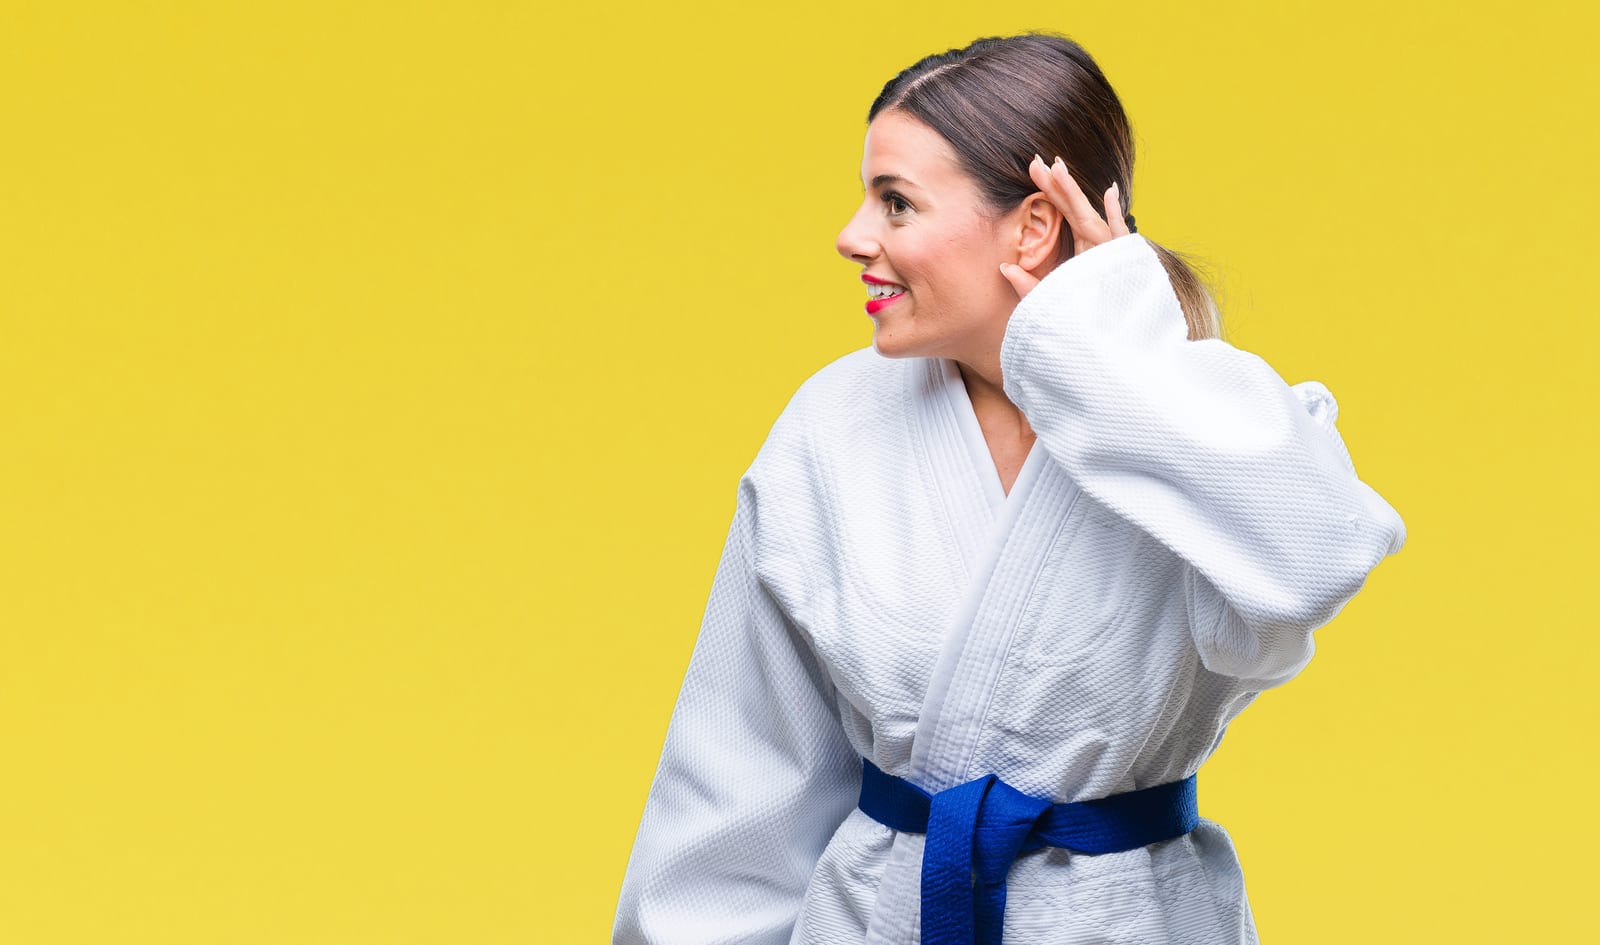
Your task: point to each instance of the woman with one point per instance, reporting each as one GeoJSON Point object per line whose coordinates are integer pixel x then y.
{"type": "Point", "coordinates": [1036, 547]}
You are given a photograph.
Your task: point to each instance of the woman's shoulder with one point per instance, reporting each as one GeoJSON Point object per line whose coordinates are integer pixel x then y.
{"type": "Point", "coordinates": [841, 381]}
{"type": "Point", "coordinates": [855, 398]}
{"type": "Point", "coordinates": [855, 390]}
{"type": "Point", "coordinates": [832, 424]}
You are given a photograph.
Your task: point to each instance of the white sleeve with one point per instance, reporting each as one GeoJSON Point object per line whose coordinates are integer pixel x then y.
{"type": "Point", "coordinates": [1204, 447]}
{"type": "Point", "coordinates": [755, 776]}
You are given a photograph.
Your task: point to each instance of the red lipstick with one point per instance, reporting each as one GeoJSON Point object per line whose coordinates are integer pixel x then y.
{"type": "Point", "coordinates": [874, 306]}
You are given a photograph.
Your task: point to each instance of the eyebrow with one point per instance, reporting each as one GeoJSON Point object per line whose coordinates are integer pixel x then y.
{"type": "Point", "coordinates": [882, 179]}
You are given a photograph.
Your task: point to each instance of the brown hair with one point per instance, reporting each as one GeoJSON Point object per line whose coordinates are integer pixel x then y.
{"type": "Point", "coordinates": [1001, 99]}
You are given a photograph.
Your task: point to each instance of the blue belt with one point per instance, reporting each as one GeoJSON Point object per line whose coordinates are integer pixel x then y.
{"type": "Point", "coordinates": [977, 829]}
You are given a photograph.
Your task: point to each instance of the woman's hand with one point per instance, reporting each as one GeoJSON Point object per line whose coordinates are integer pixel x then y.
{"type": "Point", "coordinates": [1088, 229]}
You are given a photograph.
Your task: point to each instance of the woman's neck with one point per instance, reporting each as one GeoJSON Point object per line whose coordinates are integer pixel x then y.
{"type": "Point", "coordinates": [989, 401]}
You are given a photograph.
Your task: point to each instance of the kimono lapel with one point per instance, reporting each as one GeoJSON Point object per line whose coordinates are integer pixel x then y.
{"type": "Point", "coordinates": [1001, 568]}
{"type": "Point", "coordinates": [942, 413]}
{"type": "Point", "coordinates": [968, 482]}
{"type": "Point", "coordinates": [960, 403]}
{"type": "Point", "coordinates": [1004, 539]}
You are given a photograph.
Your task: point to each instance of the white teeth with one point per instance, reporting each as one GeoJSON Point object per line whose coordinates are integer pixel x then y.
{"type": "Point", "coordinates": [884, 291]}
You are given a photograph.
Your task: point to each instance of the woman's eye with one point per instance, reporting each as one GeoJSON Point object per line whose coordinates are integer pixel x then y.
{"type": "Point", "coordinates": [893, 199]}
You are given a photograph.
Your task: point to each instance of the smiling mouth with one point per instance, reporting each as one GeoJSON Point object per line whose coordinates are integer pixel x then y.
{"type": "Point", "coordinates": [874, 306]}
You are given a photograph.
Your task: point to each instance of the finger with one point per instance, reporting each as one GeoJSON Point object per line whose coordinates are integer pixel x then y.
{"type": "Point", "coordinates": [1021, 279]}
{"type": "Point", "coordinates": [1059, 197]}
{"type": "Point", "coordinates": [1086, 223]}
{"type": "Point", "coordinates": [1059, 186]}
{"type": "Point", "coordinates": [1114, 211]}
{"type": "Point", "coordinates": [1039, 172]}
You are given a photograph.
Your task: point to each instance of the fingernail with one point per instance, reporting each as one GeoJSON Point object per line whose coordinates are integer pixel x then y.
{"type": "Point", "coordinates": [1036, 157]}
{"type": "Point", "coordinates": [1060, 162]}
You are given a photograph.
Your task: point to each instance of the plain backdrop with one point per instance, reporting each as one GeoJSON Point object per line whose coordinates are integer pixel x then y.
{"type": "Point", "coordinates": [376, 379]}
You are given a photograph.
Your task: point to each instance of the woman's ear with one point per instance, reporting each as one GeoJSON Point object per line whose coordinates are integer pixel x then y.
{"type": "Point", "coordinates": [1040, 228]}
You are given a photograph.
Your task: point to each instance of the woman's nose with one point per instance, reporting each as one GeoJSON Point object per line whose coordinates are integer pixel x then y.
{"type": "Point", "coordinates": [854, 242]}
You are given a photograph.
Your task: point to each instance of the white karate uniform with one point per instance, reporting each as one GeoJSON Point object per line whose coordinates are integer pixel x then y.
{"type": "Point", "coordinates": [1184, 521]}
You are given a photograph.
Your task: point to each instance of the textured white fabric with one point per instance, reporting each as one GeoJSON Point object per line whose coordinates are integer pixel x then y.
{"type": "Point", "coordinates": [1183, 523]}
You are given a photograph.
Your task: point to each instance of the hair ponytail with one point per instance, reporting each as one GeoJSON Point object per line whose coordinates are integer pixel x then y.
{"type": "Point", "coordinates": [1199, 307]}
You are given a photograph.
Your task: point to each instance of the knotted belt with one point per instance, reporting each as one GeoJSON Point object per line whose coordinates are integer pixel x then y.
{"type": "Point", "coordinates": [977, 829]}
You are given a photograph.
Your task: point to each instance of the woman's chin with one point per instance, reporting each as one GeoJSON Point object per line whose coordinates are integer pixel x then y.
{"type": "Point", "coordinates": [891, 343]}
{"type": "Point", "coordinates": [888, 346]}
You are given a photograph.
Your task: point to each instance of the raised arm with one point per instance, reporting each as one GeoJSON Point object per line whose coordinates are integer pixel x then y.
{"type": "Point", "coordinates": [755, 776]}
{"type": "Point", "coordinates": [1203, 446]}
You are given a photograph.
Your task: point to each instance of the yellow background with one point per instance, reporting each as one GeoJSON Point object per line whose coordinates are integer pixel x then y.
{"type": "Point", "coordinates": [375, 381]}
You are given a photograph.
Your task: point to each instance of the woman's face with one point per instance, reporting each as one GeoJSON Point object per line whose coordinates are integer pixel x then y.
{"type": "Point", "coordinates": [919, 225]}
